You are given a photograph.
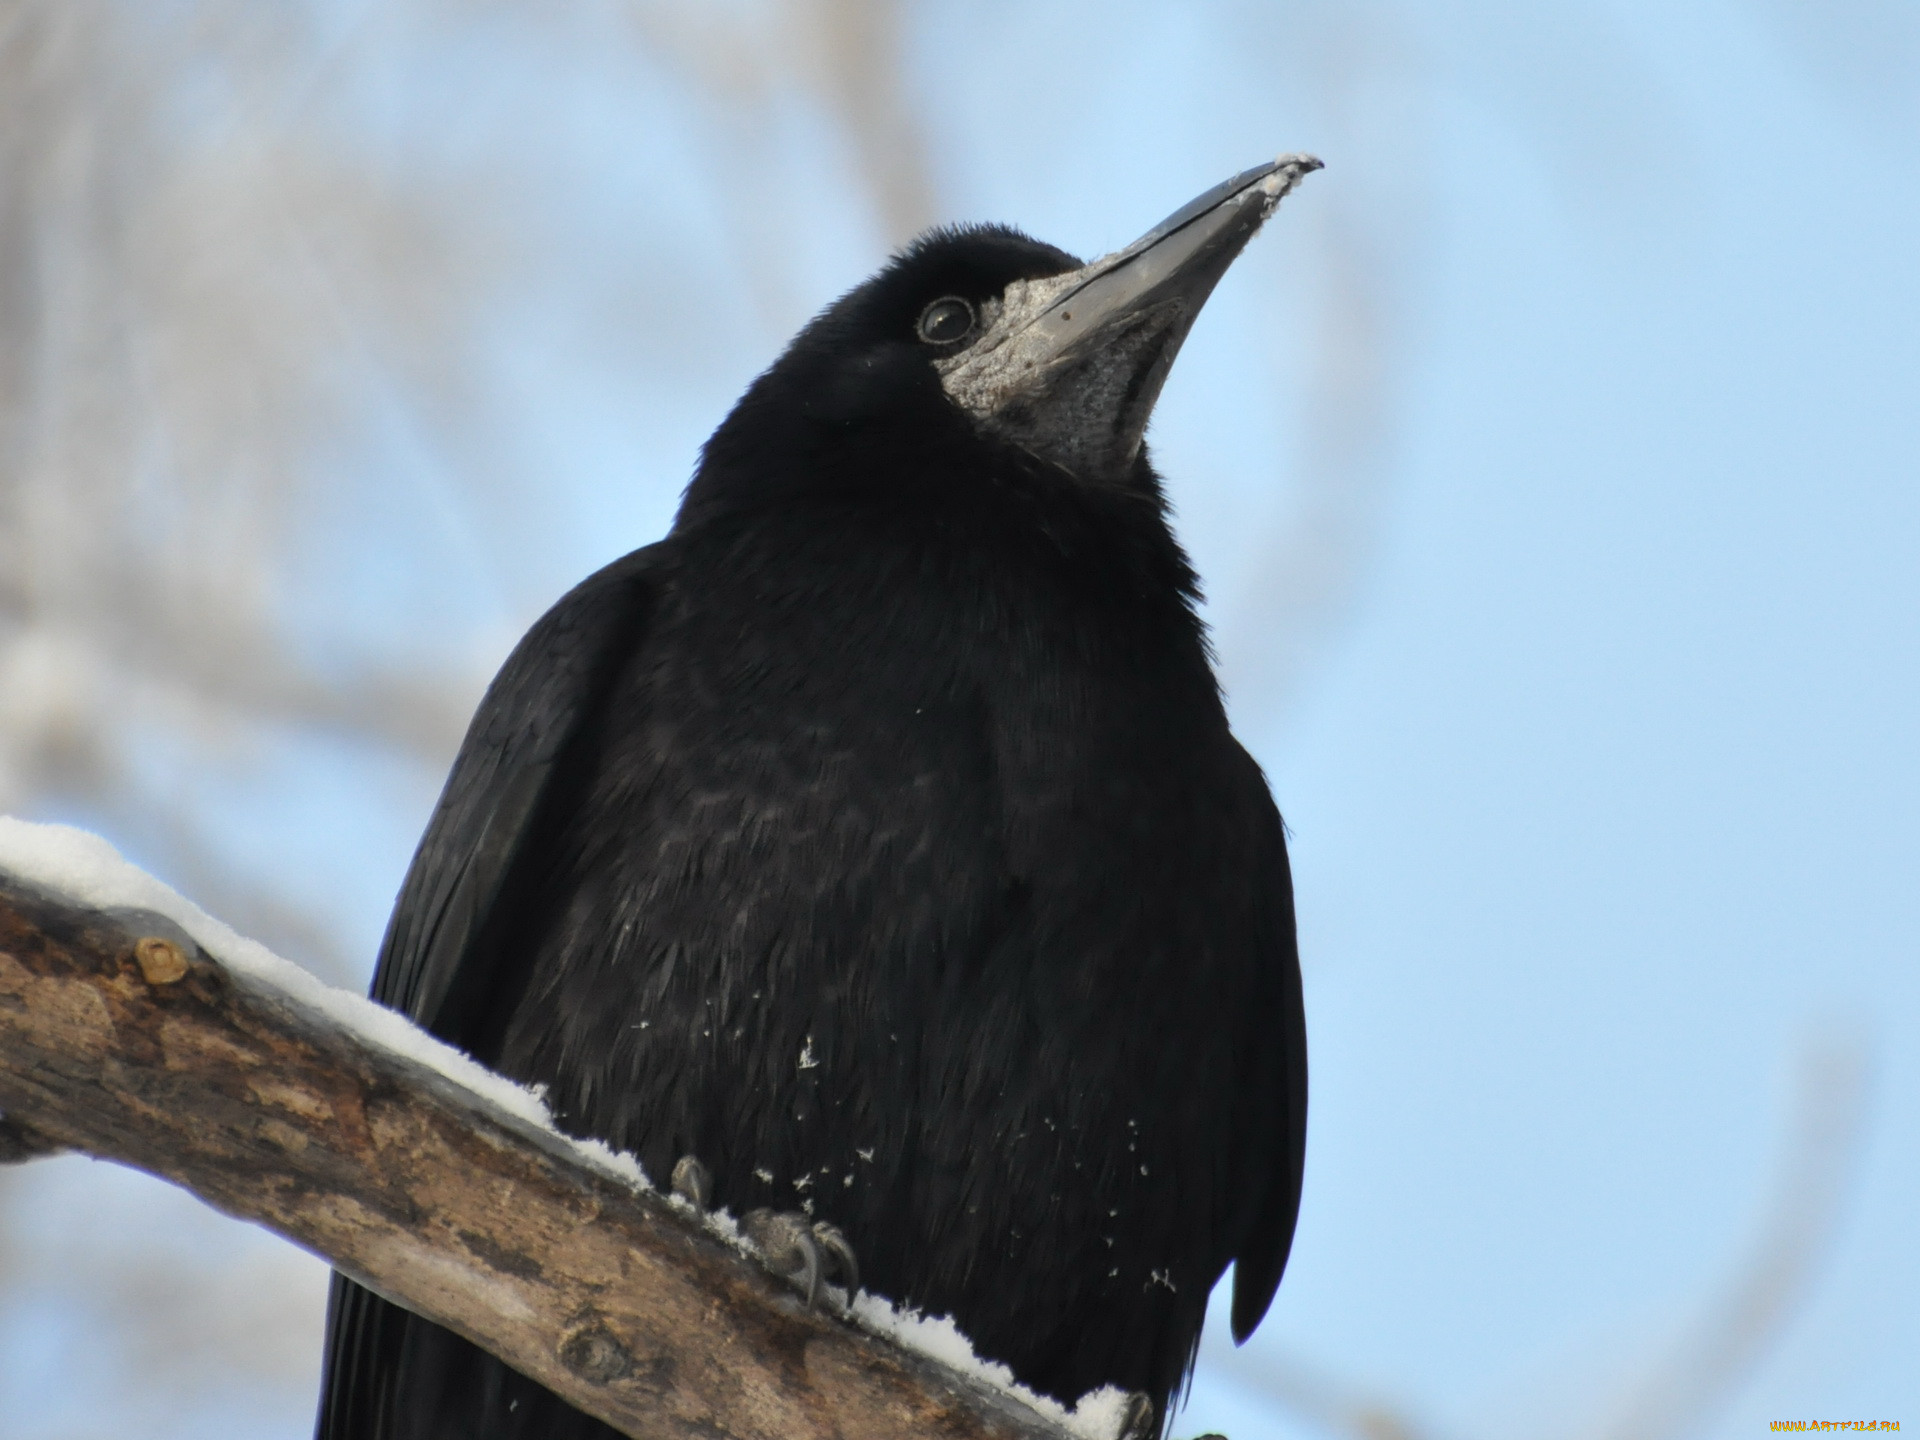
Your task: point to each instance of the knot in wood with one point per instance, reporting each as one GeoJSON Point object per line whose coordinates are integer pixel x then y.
{"type": "Point", "coordinates": [161, 961]}
{"type": "Point", "coordinates": [595, 1355]}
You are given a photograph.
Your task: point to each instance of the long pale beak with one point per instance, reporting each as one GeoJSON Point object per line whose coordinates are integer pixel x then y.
{"type": "Point", "coordinates": [1069, 366]}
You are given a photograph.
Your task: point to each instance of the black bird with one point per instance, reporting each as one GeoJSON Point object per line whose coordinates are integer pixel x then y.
{"type": "Point", "coordinates": [877, 837]}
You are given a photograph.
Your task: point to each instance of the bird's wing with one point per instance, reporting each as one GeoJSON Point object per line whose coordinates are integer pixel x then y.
{"type": "Point", "coordinates": [433, 961]}
{"type": "Point", "coordinates": [1274, 1139]}
{"type": "Point", "coordinates": [549, 691]}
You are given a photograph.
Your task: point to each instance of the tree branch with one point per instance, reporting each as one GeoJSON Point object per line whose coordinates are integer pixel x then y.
{"type": "Point", "coordinates": [121, 1037]}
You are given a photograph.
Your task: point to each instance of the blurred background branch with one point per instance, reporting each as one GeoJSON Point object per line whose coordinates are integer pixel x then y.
{"type": "Point", "coordinates": [1819, 1165]}
{"type": "Point", "coordinates": [1698, 1368]}
{"type": "Point", "coordinates": [191, 283]}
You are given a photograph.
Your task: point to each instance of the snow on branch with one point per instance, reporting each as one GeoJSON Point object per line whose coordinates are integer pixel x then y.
{"type": "Point", "coordinates": [135, 1028]}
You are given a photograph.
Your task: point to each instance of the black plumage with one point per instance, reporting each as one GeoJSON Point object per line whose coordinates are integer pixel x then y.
{"type": "Point", "coordinates": [878, 837]}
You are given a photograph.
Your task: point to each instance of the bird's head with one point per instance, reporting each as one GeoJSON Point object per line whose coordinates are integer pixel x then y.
{"type": "Point", "coordinates": [982, 333]}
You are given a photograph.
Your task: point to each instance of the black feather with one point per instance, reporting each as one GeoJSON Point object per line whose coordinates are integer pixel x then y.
{"type": "Point", "coordinates": [878, 837]}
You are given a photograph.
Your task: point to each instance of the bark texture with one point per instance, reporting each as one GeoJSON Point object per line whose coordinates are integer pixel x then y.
{"type": "Point", "coordinates": [121, 1038]}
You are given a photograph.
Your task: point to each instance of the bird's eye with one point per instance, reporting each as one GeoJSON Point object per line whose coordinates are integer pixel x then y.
{"type": "Point", "coordinates": [947, 319]}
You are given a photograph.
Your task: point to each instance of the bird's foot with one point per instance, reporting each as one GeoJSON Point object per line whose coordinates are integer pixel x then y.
{"type": "Point", "coordinates": [1141, 1419]}
{"type": "Point", "coordinates": [693, 1183]}
{"type": "Point", "coordinates": [803, 1249]}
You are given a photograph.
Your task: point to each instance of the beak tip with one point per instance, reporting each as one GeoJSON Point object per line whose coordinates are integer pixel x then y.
{"type": "Point", "coordinates": [1288, 171]}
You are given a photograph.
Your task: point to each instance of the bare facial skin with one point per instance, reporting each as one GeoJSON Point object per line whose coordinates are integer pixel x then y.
{"type": "Point", "coordinates": [1070, 365]}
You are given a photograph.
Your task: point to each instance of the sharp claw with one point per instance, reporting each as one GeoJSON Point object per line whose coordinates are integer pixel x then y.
{"type": "Point", "coordinates": [805, 1251]}
{"type": "Point", "coordinates": [840, 1253]}
{"type": "Point", "coordinates": [1141, 1420]}
{"type": "Point", "coordinates": [693, 1182]}
{"type": "Point", "coordinates": [810, 1249]}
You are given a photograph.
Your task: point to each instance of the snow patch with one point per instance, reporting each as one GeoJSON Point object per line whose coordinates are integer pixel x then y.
{"type": "Point", "coordinates": [80, 867]}
{"type": "Point", "coordinates": [1096, 1416]}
